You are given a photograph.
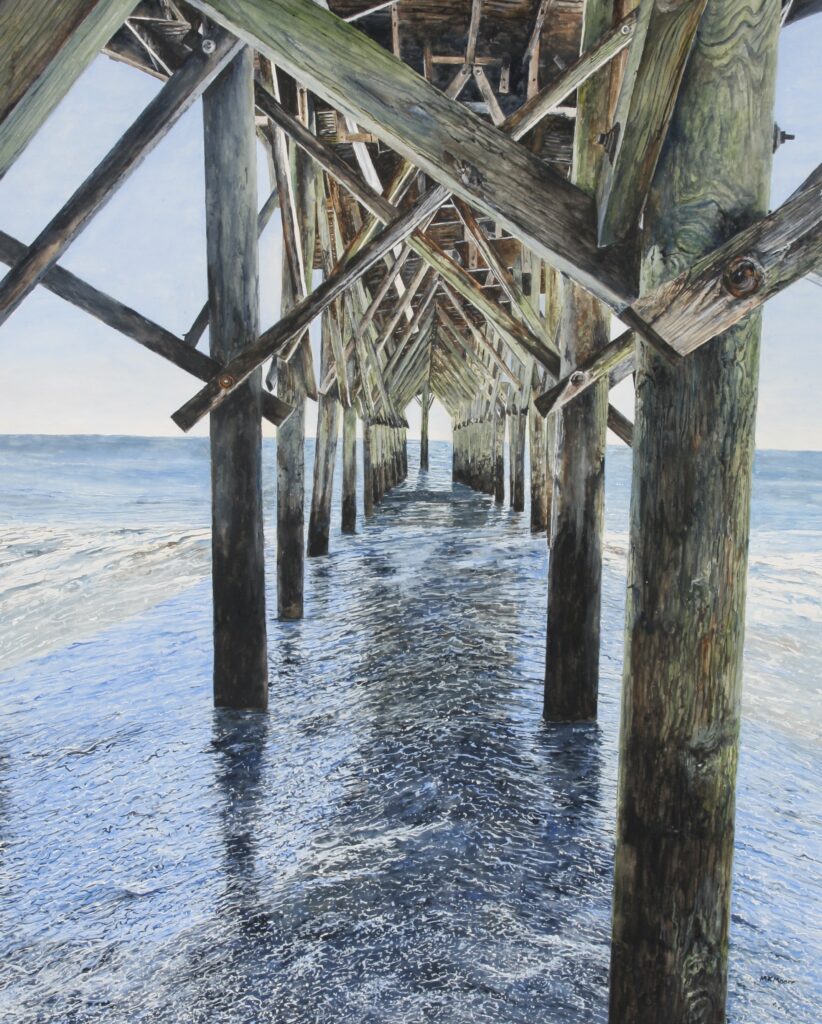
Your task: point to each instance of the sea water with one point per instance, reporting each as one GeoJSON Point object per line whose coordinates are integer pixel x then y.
{"type": "Point", "coordinates": [401, 839]}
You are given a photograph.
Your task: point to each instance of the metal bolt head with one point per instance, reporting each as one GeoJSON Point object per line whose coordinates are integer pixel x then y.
{"type": "Point", "coordinates": [577, 378]}
{"type": "Point", "coordinates": [625, 30]}
{"type": "Point", "coordinates": [226, 381]}
{"type": "Point", "coordinates": [208, 45]}
{"type": "Point", "coordinates": [742, 277]}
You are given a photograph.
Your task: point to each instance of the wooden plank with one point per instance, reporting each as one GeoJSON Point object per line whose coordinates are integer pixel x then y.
{"type": "Point", "coordinates": [444, 139]}
{"type": "Point", "coordinates": [45, 45]}
{"type": "Point", "coordinates": [237, 549]}
{"type": "Point", "coordinates": [687, 565]}
{"type": "Point", "coordinates": [664, 34]}
{"type": "Point", "coordinates": [133, 325]}
{"type": "Point", "coordinates": [176, 96]}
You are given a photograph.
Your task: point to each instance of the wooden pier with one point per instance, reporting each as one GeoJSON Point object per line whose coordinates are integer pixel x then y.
{"type": "Point", "coordinates": [512, 207]}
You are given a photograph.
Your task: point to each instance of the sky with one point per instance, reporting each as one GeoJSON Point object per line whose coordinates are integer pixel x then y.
{"type": "Point", "coordinates": [63, 372]}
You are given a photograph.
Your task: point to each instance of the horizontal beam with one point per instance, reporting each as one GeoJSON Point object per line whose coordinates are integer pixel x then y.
{"type": "Point", "coordinates": [45, 45]}
{"type": "Point", "coordinates": [156, 120]}
{"type": "Point", "coordinates": [133, 325]}
{"type": "Point", "coordinates": [446, 140]}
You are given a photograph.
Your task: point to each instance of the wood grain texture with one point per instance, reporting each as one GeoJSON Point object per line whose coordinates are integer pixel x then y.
{"type": "Point", "coordinates": [45, 45]}
{"type": "Point", "coordinates": [237, 548]}
{"type": "Point", "coordinates": [656, 60]}
{"type": "Point", "coordinates": [690, 509]}
{"type": "Point", "coordinates": [325, 456]}
{"type": "Point", "coordinates": [577, 506]}
{"type": "Point", "coordinates": [176, 96]}
{"type": "Point", "coordinates": [448, 142]}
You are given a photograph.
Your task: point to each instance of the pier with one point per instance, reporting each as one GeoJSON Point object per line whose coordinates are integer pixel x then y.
{"type": "Point", "coordinates": [507, 208]}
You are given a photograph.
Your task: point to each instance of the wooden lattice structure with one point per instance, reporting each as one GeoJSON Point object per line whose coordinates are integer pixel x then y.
{"type": "Point", "coordinates": [483, 185]}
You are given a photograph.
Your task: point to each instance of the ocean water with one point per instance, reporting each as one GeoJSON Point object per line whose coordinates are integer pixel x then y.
{"type": "Point", "coordinates": [401, 838]}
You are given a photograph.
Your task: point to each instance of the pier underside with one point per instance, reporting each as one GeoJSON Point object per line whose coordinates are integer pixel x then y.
{"type": "Point", "coordinates": [508, 207]}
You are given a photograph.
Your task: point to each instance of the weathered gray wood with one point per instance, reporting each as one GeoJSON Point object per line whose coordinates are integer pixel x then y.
{"type": "Point", "coordinates": [517, 432]}
{"type": "Point", "coordinates": [45, 45]}
{"type": "Point", "coordinates": [133, 324]}
{"type": "Point", "coordinates": [426, 408]}
{"type": "Point", "coordinates": [299, 317]}
{"type": "Point", "coordinates": [151, 126]}
{"type": "Point", "coordinates": [325, 457]}
{"type": "Point", "coordinates": [577, 507]}
{"type": "Point", "coordinates": [368, 469]}
{"type": "Point", "coordinates": [758, 263]}
{"type": "Point", "coordinates": [296, 179]}
{"type": "Point", "coordinates": [656, 60]}
{"type": "Point", "coordinates": [237, 551]}
{"type": "Point", "coordinates": [453, 146]}
{"type": "Point", "coordinates": [687, 565]}
{"type": "Point", "coordinates": [349, 480]}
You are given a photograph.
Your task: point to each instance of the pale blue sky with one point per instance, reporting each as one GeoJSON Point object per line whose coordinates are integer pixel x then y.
{"type": "Point", "coordinates": [63, 372]}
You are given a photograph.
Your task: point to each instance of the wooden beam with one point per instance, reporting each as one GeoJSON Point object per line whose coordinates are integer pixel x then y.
{"type": "Point", "coordinates": [237, 548]}
{"type": "Point", "coordinates": [444, 139]}
{"type": "Point", "coordinates": [133, 325]}
{"type": "Point", "coordinates": [656, 61]}
{"type": "Point", "coordinates": [45, 45]}
{"type": "Point", "coordinates": [718, 290]}
{"type": "Point", "coordinates": [176, 96]}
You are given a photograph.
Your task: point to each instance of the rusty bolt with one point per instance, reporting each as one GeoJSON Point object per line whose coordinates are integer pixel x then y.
{"type": "Point", "coordinates": [742, 277]}
{"type": "Point", "coordinates": [577, 378]}
{"type": "Point", "coordinates": [226, 381]}
{"type": "Point", "coordinates": [208, 45]}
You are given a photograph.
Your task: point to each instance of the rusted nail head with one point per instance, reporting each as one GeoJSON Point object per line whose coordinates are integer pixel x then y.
{"type": "Point", "coordinates": [226, 381]}
{"type": "Point", "coordinates": [208, 45]}
{"type": "Point", "coordinates": [743, 276]}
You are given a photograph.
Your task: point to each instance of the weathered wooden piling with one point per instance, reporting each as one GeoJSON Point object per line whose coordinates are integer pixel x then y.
{"type": "Point", "coordinates": [325, 455]}
{"type": "Point", "coordinates": [517, 434]}
{"type": "Point", "coordinates": [349, 480]}
{"type": "Point", "coordinates": [237, 554]}
{"type": "Point", "coordinates": [368, 471]}
{"type": "Point", "coordinates": [577, 502]}
{"type": "Point", "coordinates": [425, 409]}
{"type": "Point", "coordinates": [693, 451]}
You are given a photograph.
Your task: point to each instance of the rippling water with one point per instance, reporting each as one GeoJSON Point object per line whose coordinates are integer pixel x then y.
{"type": "Point", "coordinates": [400, 839]}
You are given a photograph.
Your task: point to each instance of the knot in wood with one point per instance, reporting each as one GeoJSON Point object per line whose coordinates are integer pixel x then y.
{"type": "Point", "coordinates": [742, 277]}
{"type": "Point", "coordinates": [226, 381]}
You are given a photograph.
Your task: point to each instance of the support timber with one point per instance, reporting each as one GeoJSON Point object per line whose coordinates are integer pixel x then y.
{"type": "Point", "coordinates": [237, 553]}
{"type": "Point", "coordinates": [690, 522]}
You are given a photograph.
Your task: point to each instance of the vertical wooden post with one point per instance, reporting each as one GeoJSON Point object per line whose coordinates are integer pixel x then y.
{"type": "Point", "coordinates": [693, 452]}
{"type": "Point", "coordinates": [349, 484]}
{"type": "Point", "coordinates": [575, 571]}
{"type": "Point", "coordinates": [325, 455]}
{"type": "Point", "coordinates": [426, 407]}
{"type": "Point", "coordinates": [367, 468]}
{"type": "Point", "coordinates": [237, 553]}
{"type": "Point", "coordinates": [291, 387]}
{"type": "Point", "coordinates": [517, 426]}
{"type": "Point", "coordinates": [499, 455]}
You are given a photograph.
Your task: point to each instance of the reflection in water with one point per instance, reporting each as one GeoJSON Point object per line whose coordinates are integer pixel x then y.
{"type": "Point", "coordinates": [399, 840]}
